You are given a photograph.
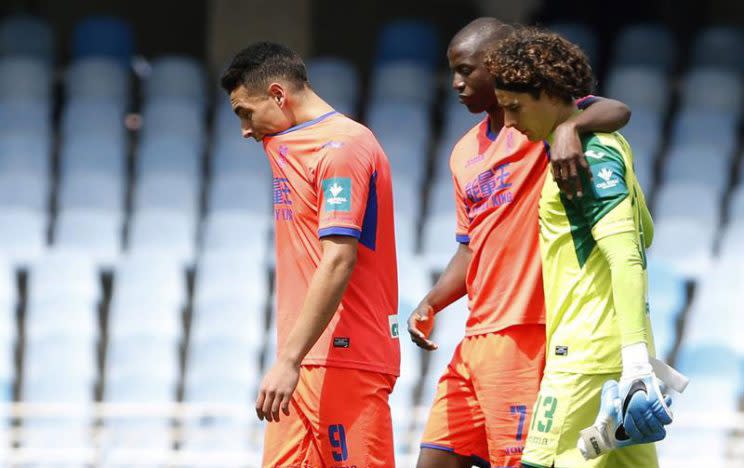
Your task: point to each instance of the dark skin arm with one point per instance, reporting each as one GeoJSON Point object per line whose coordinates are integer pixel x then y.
{"type": "Point", "coordinates": [450, 287]}
{"type": "Point", "coordinates": [566, 153]}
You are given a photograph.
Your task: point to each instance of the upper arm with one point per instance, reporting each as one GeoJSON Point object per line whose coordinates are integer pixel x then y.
{"type": "Point", "coordinates": [611, 115]}
{"type": "Point", "coordinates": [462, 232]}
{"type": "Point", "coordinates": [339, 249]}
{"type": "Point", "coordinates": [345, 184]}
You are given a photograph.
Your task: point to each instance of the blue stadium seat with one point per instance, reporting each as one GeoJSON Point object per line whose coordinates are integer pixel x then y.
{"type": "Point", "coordinates": [169, 156]}
{"type": "Point", "coordinates": [690, 256]}
{"type": "Point", "coordinates": [732, 241]}
{"type": "Point", "coordinates": [404, 40]}
{"type": "Point", "coordinates": [690, 200]}
{"type": "Point", "coordinates": [684, 163]}
{"type": "Point", "coordinates": [643, 163]}
{"type": "Point", "coordinates": [438, 239]}
{"type": "Point", "coordinates": [645, 129]}
{"type": "Point", "coordinates": [716, 46]}
{"type": "Point", "coordinates": [225, 275]}
{"type": "Point", "coordinates": [441, 199]}
{"type": "Point", "coordinates": [24, 153]}
{"type": "Point", "coordinates": [223, 357]}
{"type": "Point", "coordinates": [105, 36]}
{"type": "Point", "coordinates": [237, 318]}
{"type": "Point", "coordinates": [93, 191]}
{"type": "Point", "coordinates": [148, 388]}
{"type": "Point", "coordinates": [233, 154]}
{"type": "Point", "coordinates": [178, 77]}
{"type": "Point", "coordinates": [136, 316]}
{"type": "Point", "coordinates": [26, 115]}
{"type": "Point", "coordinates": [61, 357]}
{"type": "Point", "coordinates": [25, 77]}
{"type": "Point", "coordinates": [179, 118]}
{"type": "Point", "coordinates": [96, 155]}
{"type": "Point", "coordinates": [88, 116]}
{"type": "Point", "coordinates": [651, 45]}
{"type": "Point", "coordinates": [97, 233]}
{"type": "Point", "coordinates": [247, 194]}
{"type": "Point", "coordinates": [98, 77]}
{"type": "Point", "coordinates": [713, 89]}
{"type": "Point", "coordinates": [27, 35]}
{"type": "Point", "coordinates": [62, 316]}
{"type": "Point", "coordinates": [22, 235]}
{"type": "Point", "coordinates": [404, 81]}
{"type": "Point", "coordinates": [458, 120]}
{"type": "Point", "coordinates": [175, 193]}
{"type": "Point", "coordinates": [581, 35]}
{"type": "Point", "coordinates": [62, 275]}
{"type": "Point", "coordinates": [134, 359]}
{"type": "Point", "coordinates": [639, 86]}
{"type": "Point", "coordinates": [237, 232]}
{"type": "Point", "coordinates": [68, 434]}
{"type": "Point", "coordinates": [217, 437]}
{"type": "Point", "coordinates": [167, 232]}
{"type": "Point", "coordinates": [389, 118]}
{"type": "Point", "coordinates": [336, 81]}
{"type": "Point", "coordinates": [697, 126]}
{"type": "Point", "coordinates": [153, 277]}
{"type": "Point", "coordinates": [736, 204]}
{"type": "Point", "coordinates": [667, 297]}
{"type": "Point", "coordinates": [222, 390]}
{"type": "Point", "coordinates": [408, 158]}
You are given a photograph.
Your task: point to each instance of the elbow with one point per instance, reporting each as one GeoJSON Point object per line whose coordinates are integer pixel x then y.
{"type": "Point", "coordinates": [343, 262]}
{"type": "Point", "coordinates": [624, 113]}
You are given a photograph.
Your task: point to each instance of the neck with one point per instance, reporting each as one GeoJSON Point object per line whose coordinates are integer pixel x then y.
{"type": "Point", "coordinates": [308, 106]}
{"type": "Point", "coordinates": [564, 112]}
{"type": "Point", "coordinates": [496, 119]}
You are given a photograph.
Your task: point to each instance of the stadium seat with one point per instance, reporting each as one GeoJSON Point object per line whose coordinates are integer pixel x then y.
{"type": "Point", "coordinates": [405, 234]}
{"type": "Point", "coordinates": [732, 240]}
{"type": "Point", "coordinates": [715, 128]}
{"type": "Point", "coordinates": [241, 233]}
{"type": "Point", "coordinates": [135, 316]}
{"type": "Point", "coordinates": [736, 205]}
{"type": "Point", "coordinates": [644, 158]}
{"type": "Point", "coordinates": [56, 317]}
{"type": "Point", "coordinates": [98, 77]}
{"type": "Point", "coordinates": [25, 77]}
{"type": "Point", "coordinates": [403, 40]}
{"type": "Point", "coordinates": [69, 435]}
{"type": "Point", "coordinates": [174, 193]}
{"type": "Point", "coordinates": [233, 154]}
{"type": "Point", "coordinates": [645, 129]}
{"type": "Point", "coordinates": [141, 369]}
{"type": "Point", "coordinates": [178, 77]}
{"type": "Point", "coordinates": [27, 36]}
{"type": "Point", "coordinates": [581, 35]}
{"type": "Point", "coordinates": [24, 153]}
{"type": "Point", "coordinates": [337, 81]}
{"type": "Point", "coordinates": [651, 45]}
{"type": "Point", "coordinates": [667, 298]}
{"type": "Point", "coordinates": [714, 46]}
{"type": "Point", "coordinates": [639, 86]}
{"type": "Point", "coordinates": [22, 235]}
{"type": "Point", "coordinates": [713, 89]}
{"type": "Point", "coordinates": [149, 276]}
{"type": "Point", "coordinates": [222, 390]}
{"type": "Point", "coordinates": [174, 117]}
{"type": "Point", "coordinates": [91, 191]}
{"type": "Point", "coordinates": [408, 158]}
{"type": "Point", "coordinates": [216, 438]}
{"type": "Point", "coordinates": [100, 117]}
{"type": "Point", "coordinates": [229, 317]}
{"type": "Point", "coordinates": [23, 191]}
{"type": "Point", "coordinates": [442, 199]}
{"type": "Point", "coordinates": [688, 200]}
{"type": "Point", "coordinates": [60, 358]}
{"type": "Point", "coordinates": [164, 231]}
{"type": "Point", "coordinates": [62, 275]}
{"type": "Point", "coordinates": [457, 118]}
{"type": "Point", "coordinates": [103, 154]}
{"type": "Point", "coordinates": [387, 118]}
{"type": "Point", "coordinates": [169, 156]}
{"type": "Point", "coordinates": [106, 36]}
{"type": "Point", "coordinates": [684, 165]}
{"type": "Point", "coordinates": [225, 274]}
{"type": "Point", "coordinates": [225, 358]}
{"type": "Point", "coordinates": [27, 115]}
{"type": "Point", "coordinates": [403, 81]}
{"type": "Point", "coordinates": [237, 193]}
{"type": "Point", "coordinates": [685, 243]}
{"type": "Point", "coordinates": [438, 240]}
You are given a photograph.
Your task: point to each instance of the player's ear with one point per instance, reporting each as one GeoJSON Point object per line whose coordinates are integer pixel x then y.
{"type": "Point", "coordinates": [277, 92]}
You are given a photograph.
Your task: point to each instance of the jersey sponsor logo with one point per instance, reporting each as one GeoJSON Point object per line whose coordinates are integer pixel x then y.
{"type": "Point", "coordinates": [341, 342]}
{"type": "Point", "coordinates": [561, 350]}
{"type": "Point", "coordinates": [332, 144]}
{"type": "Point", "coordinates": [488, 190]}
{"type": "Point", "coordinates": [394, 328]}
{"type": "Point", "coordinates": [609, 179]}
{"type": "Point", "coordinates": [595, 154]}
{"type": "Point", "coordinates": [282, 202]}
{"type": "Point", "coordinates": [337, 194]}
{"type": "Point", "coordinates": [283, 152]}
{"type": "Point", "coordinates": [474, 160]}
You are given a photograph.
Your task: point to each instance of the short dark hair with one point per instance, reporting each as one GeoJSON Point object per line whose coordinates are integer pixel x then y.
{"type": "Point", "coordinates": [531, 60]}
{"type": "Point", "coordinates": [261, 62]}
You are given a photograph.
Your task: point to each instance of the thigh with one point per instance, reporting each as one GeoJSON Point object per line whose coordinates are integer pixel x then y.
{"type": "Point", "coordinates": [507, 367]}
{"type": "Point", "coordinates": [455, 430]}
{"type": "Point", "coordinates": [354, 426]}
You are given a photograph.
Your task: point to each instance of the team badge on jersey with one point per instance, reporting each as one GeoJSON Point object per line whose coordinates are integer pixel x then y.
{"type": "Point", "coordinates": [337, 194]}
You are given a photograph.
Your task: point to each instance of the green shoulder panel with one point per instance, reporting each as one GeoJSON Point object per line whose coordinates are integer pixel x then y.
{"type": "Point", "coordinates": [609, 186]}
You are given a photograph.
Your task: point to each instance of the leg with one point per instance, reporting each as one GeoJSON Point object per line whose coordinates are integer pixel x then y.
{"type": "Point", "coordinates": [455, 434]}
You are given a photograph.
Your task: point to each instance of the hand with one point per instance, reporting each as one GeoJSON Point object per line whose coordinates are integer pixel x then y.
{"type": "Point", "coordinates": [276, 390]}
{"type": "Point", "coordinates": [646, 408]}
{"type": "Point", "coordinates": [566, 157]}
{"type": "Point", "coordinates": [420, 325]}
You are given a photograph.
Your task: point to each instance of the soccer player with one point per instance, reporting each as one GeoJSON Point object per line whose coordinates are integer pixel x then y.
{"type": "Point", "coordinates": [593, 256]}
{"type": "Point", "coordinates": [481, 410]}
{"type": "Point", "coordinates": [337, 350]}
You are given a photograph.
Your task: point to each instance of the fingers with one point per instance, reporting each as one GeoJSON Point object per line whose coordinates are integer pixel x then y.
{"type": "Point", "coordinates": [275, 405]}
{"type": "Point", "coordinates": [421, 341]}
{"type": "Point", "coordinates": [285, 404]}
{"type": "Point", "coordinates": [267, 405]}
{"type": "Point", "coordinates": [259, 404]}
{"type": "Point", "coordinates": [574, 179]}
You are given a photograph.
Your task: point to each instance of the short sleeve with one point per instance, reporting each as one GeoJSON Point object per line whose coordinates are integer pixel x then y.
{"type": "Point", "coordinates": [586, 101]}
{"type": "Point", "coordinates": [609, 190]}
{"type": "Point", "coordinates": [345, 184]}
{"type": "Point", "coordinates": [462, 232]}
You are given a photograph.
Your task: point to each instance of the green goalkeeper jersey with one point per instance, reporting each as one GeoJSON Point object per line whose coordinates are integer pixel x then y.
{"type": "Point", "coordinates": [581, 324]}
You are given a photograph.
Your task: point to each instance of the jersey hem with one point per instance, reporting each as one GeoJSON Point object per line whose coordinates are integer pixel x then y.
{"type": "Point", "coordinates": [350, 365]}
{"type": "Point", "coordinates": [484, 330]}
{"type": "Point", "coordinates": [574, 370]}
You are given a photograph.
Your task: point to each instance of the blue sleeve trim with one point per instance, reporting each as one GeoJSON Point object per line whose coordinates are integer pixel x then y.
{"type": "Point", "coordinates": [462, 238]}
{"type": "Point", "coordinates": [586, 101]}
{"type": "Point", "coordinates": [339, 231]}
{"type": "Point", "coordinates": [438, 447]}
